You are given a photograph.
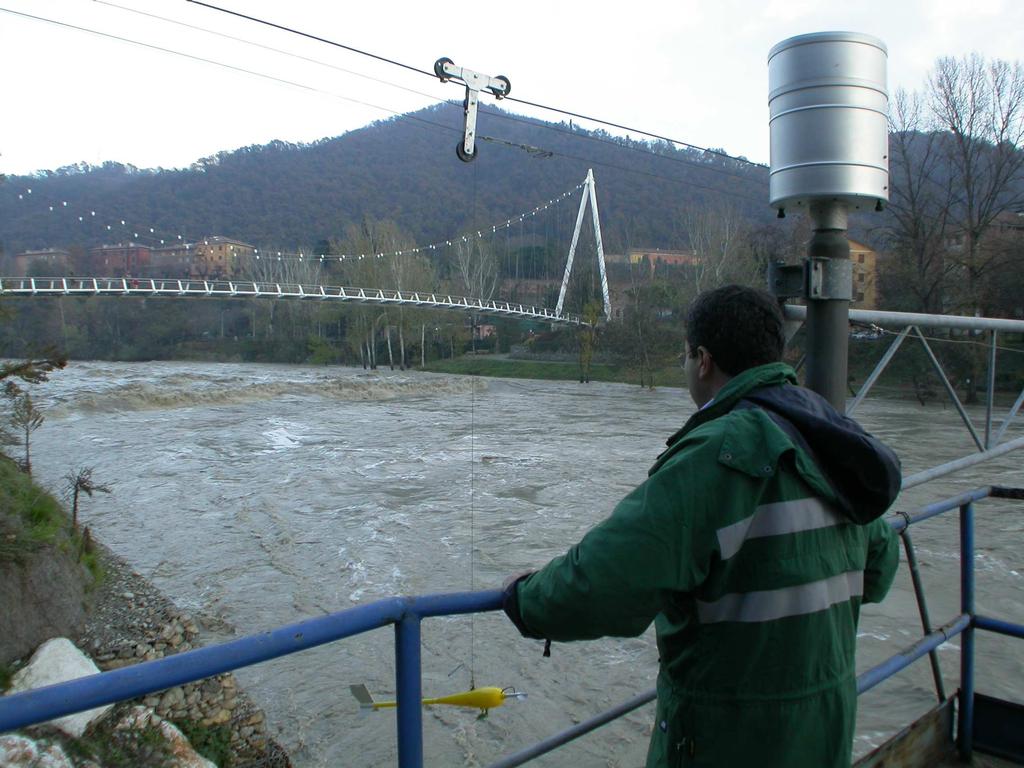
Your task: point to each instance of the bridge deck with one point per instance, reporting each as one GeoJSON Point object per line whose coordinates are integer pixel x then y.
{"type": "Point", "coordinates": [232, 289]}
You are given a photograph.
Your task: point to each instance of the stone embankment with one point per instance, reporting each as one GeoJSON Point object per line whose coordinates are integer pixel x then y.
{"type": "Point", "coordinates": [130, 621]}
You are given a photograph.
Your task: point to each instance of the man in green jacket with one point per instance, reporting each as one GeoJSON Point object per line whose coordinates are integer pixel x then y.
{"type": "Point", "coordinates": [751, 545]}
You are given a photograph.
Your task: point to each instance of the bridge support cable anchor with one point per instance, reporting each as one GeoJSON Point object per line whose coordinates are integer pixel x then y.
{"type": "Point", "coordinates": [475, 82]}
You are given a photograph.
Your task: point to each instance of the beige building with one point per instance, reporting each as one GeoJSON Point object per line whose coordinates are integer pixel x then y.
{"type": "Point", "coordinates": [865, 276]}
{"type": "Point", "coordinates": [219, 257]}
{"type": "Point", "coordinates": [654, 258]}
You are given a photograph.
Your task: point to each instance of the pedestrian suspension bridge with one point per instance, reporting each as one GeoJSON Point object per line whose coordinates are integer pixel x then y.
{"type": "Point", "coordinates": [228, 289]}
{"type": "Point", "coordinates": [186, 287]}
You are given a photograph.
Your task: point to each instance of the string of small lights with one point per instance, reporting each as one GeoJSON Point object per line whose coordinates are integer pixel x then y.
{"type": "Point", "coordinates": [121, 225]}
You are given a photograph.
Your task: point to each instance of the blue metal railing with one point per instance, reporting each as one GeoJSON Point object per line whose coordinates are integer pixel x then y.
{"type": "Point", "coordinates": [42, 704]}
{"type": "Point", "coordinates": [406, 613]}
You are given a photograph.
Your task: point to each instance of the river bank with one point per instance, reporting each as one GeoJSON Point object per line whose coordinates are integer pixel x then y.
{"type": "Point", "coordinates": [128, 621]}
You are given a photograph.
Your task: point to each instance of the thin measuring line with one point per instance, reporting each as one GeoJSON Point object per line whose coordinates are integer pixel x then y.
{"type": "Point", "coordinates": [472, 527]}
{"type": "Point", "coordinates": [472, 486]}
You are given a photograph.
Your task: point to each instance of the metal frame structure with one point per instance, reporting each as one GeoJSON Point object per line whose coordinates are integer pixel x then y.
{"type": "Point", "coordinates": [911, 323]}
{"type": "Point", "coordinates": [406, 613]}
{"type": "Point", "coordinates": [589, 193]}
{"type": "Point", "coordinates": [244, 289]}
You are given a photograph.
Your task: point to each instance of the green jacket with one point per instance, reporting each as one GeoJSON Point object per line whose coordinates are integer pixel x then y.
{"type": "Point", "coordinates": [741, 546]}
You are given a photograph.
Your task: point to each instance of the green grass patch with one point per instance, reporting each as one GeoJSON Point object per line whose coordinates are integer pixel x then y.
{"type": "Point", "coordinates": [30, 518]}
{"type": "Point", "coordinates": [212, 742]}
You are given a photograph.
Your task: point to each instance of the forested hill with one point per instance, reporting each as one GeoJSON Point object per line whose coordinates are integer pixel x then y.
{"type": "Point", "coordinates": [405, 169]}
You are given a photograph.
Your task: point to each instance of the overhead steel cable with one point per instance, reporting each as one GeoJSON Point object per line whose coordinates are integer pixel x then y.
{"type": "Point", "coordinates": [312, 89]}
{"type": "Point", "coordinates": [624, 169]}
{"type": "Point", "coordinates": [635, 130]}
{"type": "Point", "coordinates": [431, 74]}
{"type": "Point", "coordinates": [270, 48]}
{"type": "Point", "coordinates": [312, 37]}
{"type": "Point", "coordinates": [458, 105]}
{"type": "Point", "coordinates": [232, 67]}
{"type": "Point", "coordinates": [537, 123]}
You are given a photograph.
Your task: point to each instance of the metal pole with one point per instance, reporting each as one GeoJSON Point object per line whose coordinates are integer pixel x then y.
{"type": "Point", "coordinates": [553, 742]}
{"type": "Point", "coordinates": [991, 389]}
{"type": "Point", "coordinates": [922, 607]}
{"type": "Point", "coordinates": [600, 245]}
{"type": "Point", "coordinates": [958, 464]}
{"type": "Point", "coordinates": [1010, 416]}
{"type": "Point", "coordinates": [409, 688]}
{"type": "Point", "coordinates": [903, 319]}
{"type": "Point", "coordinates": [999, 626]}
{"type": "Point", "coordinates": [881, 366]}
{"type": "Point", "coordinates": [965, 726]}
{"type": "Point", "coordinates": [575, 241]}
{"type": "Point", "coordinates": [949, 389]}
{"type": "Point", "coordinates": [872, 677]}
{"type": "Point", "coordinates": [827, 316]}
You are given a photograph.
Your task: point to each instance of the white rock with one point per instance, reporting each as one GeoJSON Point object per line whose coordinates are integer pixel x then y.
{"type": "Point", "coordinates": [17, 751]}
{"type": "Point", "coordinates": [57, 661]}
{"type": "Point", "coordinates": [182, 753]}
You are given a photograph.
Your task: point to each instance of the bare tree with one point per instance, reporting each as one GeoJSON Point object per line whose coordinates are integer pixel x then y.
{"type": "Point", "coordinates": [477, 271]}
{"type": "Point", "coordinates": [920, 207]}
{"type": "Point", "coordinates": [721, 240]}
{"type": "Point", "coordinates": [981, 104]}
{"type": "Point", "coordinates": [286, 271]}
{"type": "Point", "coordinates": [371, 244]}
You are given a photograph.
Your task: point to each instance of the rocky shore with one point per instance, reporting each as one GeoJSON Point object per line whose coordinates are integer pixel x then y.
{"type": "Point", "coordinates": [130, 621]}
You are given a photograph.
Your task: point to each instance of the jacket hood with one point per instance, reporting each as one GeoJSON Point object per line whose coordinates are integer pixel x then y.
{"type": "Point", "coordinates": [863, 472]}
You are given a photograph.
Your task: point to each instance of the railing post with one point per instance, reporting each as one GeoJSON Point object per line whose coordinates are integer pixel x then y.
{"type": "Point", "coordinates": [991, 389]}
{"type": "Point", "coordinates": [965, 725]}
{"type": "Point", "coordinates": [922, 607]}
{"type": "Point", "coordinates": [409, 688]}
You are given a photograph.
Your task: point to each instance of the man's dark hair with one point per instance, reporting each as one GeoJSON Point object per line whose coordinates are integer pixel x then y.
{"type": "Point", "coordinates": [741, 327]}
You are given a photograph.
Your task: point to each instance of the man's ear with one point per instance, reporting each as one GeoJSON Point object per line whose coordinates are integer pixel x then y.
{"type": "Point", "coordinates": [705, 363]}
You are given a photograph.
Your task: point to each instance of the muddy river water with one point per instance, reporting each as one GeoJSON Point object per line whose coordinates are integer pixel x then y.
{"type": "Point", "coordinates": [259, 495]}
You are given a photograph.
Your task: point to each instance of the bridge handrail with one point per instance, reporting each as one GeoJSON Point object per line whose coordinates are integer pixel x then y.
{"type": "Point", "coordinates": [128, 286]}
{"type": "Point", "coordinates": [405, 613]}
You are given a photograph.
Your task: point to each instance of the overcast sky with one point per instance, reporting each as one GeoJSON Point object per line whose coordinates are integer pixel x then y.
{"type": "Point", "coordinates": [693, 70]}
